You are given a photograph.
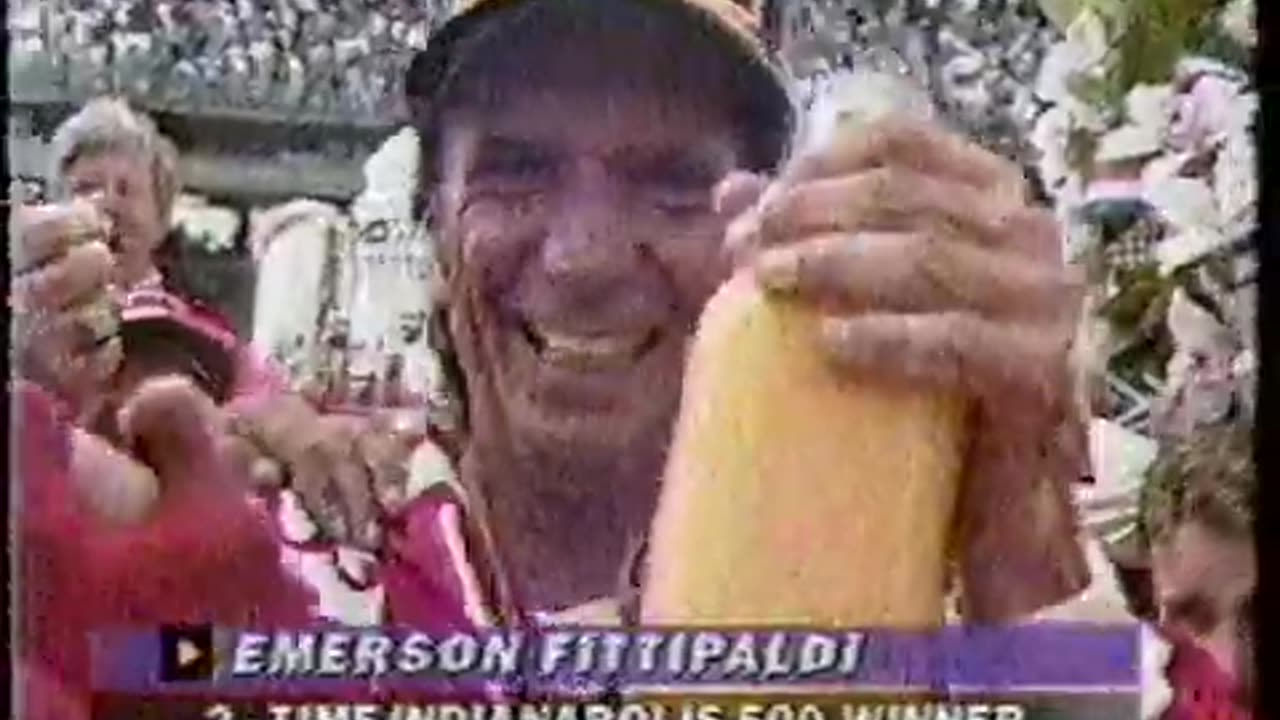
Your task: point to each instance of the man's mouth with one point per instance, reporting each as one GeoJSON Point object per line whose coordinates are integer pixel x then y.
{"type": "Point", "coordinates": [596, 351]}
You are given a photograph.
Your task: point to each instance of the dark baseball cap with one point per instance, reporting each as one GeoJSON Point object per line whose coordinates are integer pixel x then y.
{"type": "Point", "coordinates": [169, 334]}
{"type": "Point", "coordinates": [732, 27]}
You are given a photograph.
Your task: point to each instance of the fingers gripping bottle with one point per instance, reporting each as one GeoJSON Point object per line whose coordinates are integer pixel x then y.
{"type": "Point", "coordinates": [796, 492]}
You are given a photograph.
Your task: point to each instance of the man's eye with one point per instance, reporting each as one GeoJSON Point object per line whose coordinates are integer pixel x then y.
{"type": "Point", "coordinates": [521, 165]}
{"type": "Point", "coordinates": [675, 191]}
{"type": "Point", "coordinates": [673, 178]}
{"type": "Point", "coordinates": [84, 189]}
{"type": "Point", "coordinates": [682, 204]}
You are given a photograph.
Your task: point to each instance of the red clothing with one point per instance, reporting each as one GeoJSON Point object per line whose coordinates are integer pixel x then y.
{"type": "Point", "coordinates": [427, 580]}
{"type": "Point", "coordinates": [45, 697]}
{"type": "Point", "coordinates": [430, 572]}
{"type": "Point", "coordinates": [431, 567]}
{"type": "Point", "coordinates": [204, 557]}
{"type": "Point", "coordinates": [1201, 690]}
{"type": "Point", "coordinates": [253, 378]}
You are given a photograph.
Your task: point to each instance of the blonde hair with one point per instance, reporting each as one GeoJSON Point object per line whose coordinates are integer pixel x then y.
{"type": "Point", "coordinates": [108, 124]}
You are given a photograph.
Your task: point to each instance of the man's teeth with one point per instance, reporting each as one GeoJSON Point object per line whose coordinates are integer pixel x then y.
{"type": "Point", "coordinates": [598, 348]}
{"type": "Point", "coordinates": [611, 345]}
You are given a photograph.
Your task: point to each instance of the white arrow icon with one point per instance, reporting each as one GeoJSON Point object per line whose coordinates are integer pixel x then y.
{"type": "Point", "coordinates": [187, 652]}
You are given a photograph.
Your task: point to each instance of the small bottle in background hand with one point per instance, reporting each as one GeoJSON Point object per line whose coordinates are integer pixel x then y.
{"type": "Point", "coordinates": [847, 102]}
{"type": "Point", "coordinates": [103, 321]}
{"type": "Point", "coordinates": [114, 235]}
{"type": "Point", "coordinates": [879, 84]}
{"type": "Point", "coordinates": [66, 314]}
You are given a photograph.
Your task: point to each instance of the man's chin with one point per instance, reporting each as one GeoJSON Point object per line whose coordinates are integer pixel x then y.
{"type": "Point", "coordinates": [572, 430]}
{"type": "Point", "coordinates": [584, 432]}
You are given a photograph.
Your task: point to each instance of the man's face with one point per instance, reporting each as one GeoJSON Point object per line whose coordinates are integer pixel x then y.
{"type": "Point", "coordinates": [1202, 579]}
{"type": "Point", "coordinates": [575, 204]}
{"type": "Point", "coordinates": [126, 192]}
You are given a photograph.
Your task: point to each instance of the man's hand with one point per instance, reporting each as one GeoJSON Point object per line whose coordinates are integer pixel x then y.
{"type": "Point", "coordinates": [66, 322]}
{"type": "Point", "coordinates": [346, 471]}
{"type": "Point", "coordinates": [169, 424]}
{"type": "Point", "coordinates": [934, 269]}
{"type": "Point", "coordinates": [166, 429]}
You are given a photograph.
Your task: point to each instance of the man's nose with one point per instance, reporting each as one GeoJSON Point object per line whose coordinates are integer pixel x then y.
{"type": "Point", "coordinates": [589, 236]}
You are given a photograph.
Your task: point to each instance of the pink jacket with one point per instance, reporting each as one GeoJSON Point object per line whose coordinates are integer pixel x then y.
{"type": "Point", "coordinates": [203, 557]}
{"type": "Point", "coordinates": [426, 567]}
{"type": "Point", "coordinates": [1201, 690]}
{"type": "Point", "coordinates": [207, 555]}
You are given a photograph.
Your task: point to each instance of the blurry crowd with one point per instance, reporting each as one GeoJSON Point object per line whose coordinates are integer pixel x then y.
{"type": "Point", "coordinates": [344, 56]}
{"type": "Point", "coordinates": [296, 55]}
{"type": "Point", "coordinates": [978, 58]}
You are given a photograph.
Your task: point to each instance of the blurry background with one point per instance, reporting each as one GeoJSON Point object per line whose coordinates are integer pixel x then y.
{"type": "Point", "coordinates": [275, 99]}
{"type": "Point", "coordinates": [272, 100]}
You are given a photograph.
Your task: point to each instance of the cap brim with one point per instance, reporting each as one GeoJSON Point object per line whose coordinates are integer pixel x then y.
{"type": "Point", "coordinates": [215, 361]}
{"type": "Point", "coordinates": [428, 73]}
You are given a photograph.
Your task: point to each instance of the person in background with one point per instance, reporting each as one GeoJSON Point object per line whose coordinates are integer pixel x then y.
{"type": "Point", "coordinates": [133, 480]}
{"type": "Point", "coordinates": [150, 529]}
{"type": "Point", "coordinates": [114, 158]}
{"type": "Point", "coordinates": [347, 474]}
{"type": "Point", "coordinates": [1197, 518]}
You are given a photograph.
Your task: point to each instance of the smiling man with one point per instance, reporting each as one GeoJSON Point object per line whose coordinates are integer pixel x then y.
{"type": "Point", "coordinates": [587, 163]}
{"type": "Point", "coordinates": [575, 203]}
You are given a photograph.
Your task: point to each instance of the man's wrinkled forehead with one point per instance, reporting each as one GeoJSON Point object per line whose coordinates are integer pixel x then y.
{"type": "Point", "coordinates": [628, 49]}
{"type": "Point", "coordinates": [595, 119]}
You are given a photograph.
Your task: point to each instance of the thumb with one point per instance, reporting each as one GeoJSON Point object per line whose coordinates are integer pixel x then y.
{"type": "Point", "coordinates": [737, 192]}
{"type": "Point", "coordinates": [168, 423]}
{"type": "Point", "coordinates": [407, 430]}
{"type": "Point", "coordinates": [736, 200]}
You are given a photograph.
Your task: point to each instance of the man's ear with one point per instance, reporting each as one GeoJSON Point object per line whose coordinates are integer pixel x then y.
{"type": "Point", "coordinates": [430, 204]}
{"type": "Point", "coordinates": [424, 205]}
{"type": "Point", "coordinates": [445, 261]}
